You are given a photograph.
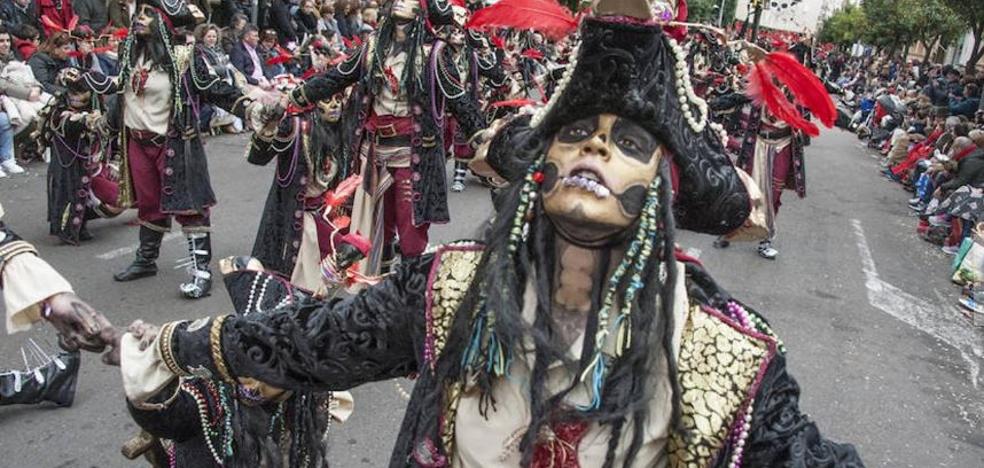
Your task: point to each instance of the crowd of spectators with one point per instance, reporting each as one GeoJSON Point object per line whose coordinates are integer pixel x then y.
{"type": "Point", "coordinates": [927, 122]}
{"type": "Point", "coordinates": [252, 43]}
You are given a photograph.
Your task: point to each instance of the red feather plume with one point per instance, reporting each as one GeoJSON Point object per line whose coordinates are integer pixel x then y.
{"type": "Point", "coordinates": [806, 87]}
{"type": "Point", "coordinates": [513, 103]}
{"type": "Point", "coordinates": [764, 92]}
{"type": "Point", "coordinates": [343, 191]}
{"type": "Point", "coordinates": [50, 24]}
{"type": "Point", "coordinates": [283, 56]}
{"type": "Point", "coordinates": [545, 16]}
{"type": "Point", "coordinates": [72, 23]}
{"type": "Point", "coordinates": [533, 54]}
{"type": "Point", "coordinates": [499, 42]}
{"type": "Point", "coordinates": [121, 33]}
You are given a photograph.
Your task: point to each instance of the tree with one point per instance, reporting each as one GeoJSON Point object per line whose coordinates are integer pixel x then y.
{"type": "Point", "coordinates": [706, 11]}
{"type": "Point", "coordinates": [939, 26]}
{"type": "Point", "coordinates": [972, 13]}
{"type": "Point", "coordinates": [845, 27]}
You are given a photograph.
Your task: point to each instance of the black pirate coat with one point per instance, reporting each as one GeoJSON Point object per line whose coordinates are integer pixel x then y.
{"type": "Point", "coordinates": [185, 186]}
{"type": "Point", "coordinates": [403, 325]}
{"type": "Point", "coordinates": [301, 142]}
{"type": "Point", "coordinates": [437, 87]}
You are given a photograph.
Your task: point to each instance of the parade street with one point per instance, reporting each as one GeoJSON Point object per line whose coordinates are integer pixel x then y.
{"type": "Point", "coordinates": [864, 307]}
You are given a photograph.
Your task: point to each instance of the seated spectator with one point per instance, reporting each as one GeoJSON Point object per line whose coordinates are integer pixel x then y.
{"type": "Point", "coordinates": [107, 51]}
{"type": "Point", "coordinates": [327, 25]}
{"type": "Point", "coordinates": [26, 40]}
{"type": "Point", "coordinates": [16, 94]}
{"type": "Point", "coordinates": [246, 58]}
{"type": "Point", "coordinates": [16, 14]}
{"type": "Point", "coordinates": [268, 51]}
{"type": "Point", "coordinates": [93, 14]}
{"type": "Point", "coordinates": [967, 103]}
{"type": "Point", "coordinates": [281, 21]}
{"type": "Point", "coordinates": [214, 119]}
{"type": "Point", "coordinates": [49, 59]}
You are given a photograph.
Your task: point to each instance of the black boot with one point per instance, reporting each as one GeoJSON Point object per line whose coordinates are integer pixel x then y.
{"type": "Point", "coordinates": [57, 384]}
{"type": "Point", "coordinates": [200, 251]}
{"type": "Point", "coordinates": [146, 262]}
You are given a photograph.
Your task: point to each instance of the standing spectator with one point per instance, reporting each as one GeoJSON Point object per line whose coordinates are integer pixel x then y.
{"type": "Point", "coordinates": [18, 13]}
{"type": "Point", "coordinates": [60, 12]}
{"type": "Point", "coordinates": [246, 59]}
{"type": "Point", "coordinates": [92, 13]}
{"type": "Point", "coordinates": [120, 12]}
{"type": "Point", "coordinates": [234, 33]}
{"type": "Point", "coordinates": [307, 18]}
{"type": "Point", "coordinates": [49, 59]}
{"type": "Point", "coordinates": [280, 20]}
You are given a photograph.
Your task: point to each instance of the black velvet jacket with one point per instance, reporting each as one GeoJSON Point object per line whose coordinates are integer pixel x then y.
{"type": "Point", "coordinates": [297, 147]}
{"type": "Point", "coordinates": [438, 85]}
{"type": "Point", "coordinates": [185, 184]}
{"type": "Point", "coordinates": [394, 328]}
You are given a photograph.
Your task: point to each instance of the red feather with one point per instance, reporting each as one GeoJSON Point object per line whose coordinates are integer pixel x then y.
{"type": "Point", "coordinates": [309, 73]}
{"type": "Point", "coordinates": [121, 33]}
{"type": "Point", "coordinates": [103, 50]}
{"type": "Point", "coordinates": [343, 191]}
{"type": "Point", "coordinates": [358, 241]}
{"type": "Point", "coordinates": [72, 23]}
{"type": "Point", "coordinates": [460, 3]}
{"type": "Point", "coordinates": [279, 59]}
{"type": "Point", "coordinates": [764, 92]}
{"type": "Point", "coordinates": [806, 87]}
{"type": "Point", "coordinates": [75, 54]}
{"type": "Point", "coordinates": [346, 42]}
{"type": "Point", "coordinates": [337, 60]}
{"type": "Point", "coordinates": [50, 24]}
{"type": "Point", "coordinates": [357, 41]}
{"type": "Point", "coordinates": [545, 16]}
{"type": "Point", "coordinates": [533, 54]}
{"type": "Point", "coordinates": [513, 103]}
{"type": "Point", "coordinates": [499, 42]}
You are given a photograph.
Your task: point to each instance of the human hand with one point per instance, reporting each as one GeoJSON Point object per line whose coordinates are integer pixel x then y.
{"type": "Point", "coordinates": [78, 324]}
{"type": "Point", "coordinates": [35, 95]}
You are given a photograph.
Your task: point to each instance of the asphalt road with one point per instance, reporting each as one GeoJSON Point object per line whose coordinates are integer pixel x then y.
{"type": "Point", "coordinates": [864, 307]}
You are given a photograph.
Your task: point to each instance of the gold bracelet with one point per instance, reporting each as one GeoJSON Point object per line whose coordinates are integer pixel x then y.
{"type": "Point", "coordinates": [215, 342]}
{"type": "Point", "coordinates": [167, 353]}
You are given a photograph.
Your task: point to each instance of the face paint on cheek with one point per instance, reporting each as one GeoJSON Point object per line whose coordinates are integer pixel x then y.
{"type": "Point", "coordinates": [550, 177]}
{"type": "Point", "coordinates": [632, 200]}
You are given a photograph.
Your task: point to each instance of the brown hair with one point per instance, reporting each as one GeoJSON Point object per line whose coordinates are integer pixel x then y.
{"type": "Point", "coordinates": [55, 41]}
{"type": "Point", "coordinates": [202, 29]}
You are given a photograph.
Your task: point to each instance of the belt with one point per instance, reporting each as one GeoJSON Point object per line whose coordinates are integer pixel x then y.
{"type": "Point", "coordinates": [147, 136]}
{"type": "Point", "coordinates": [397, 140]}
{"type": "Point", "coordinates": [776, 134]}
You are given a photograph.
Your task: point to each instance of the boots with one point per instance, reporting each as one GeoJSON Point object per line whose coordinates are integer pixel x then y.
{"type": "Point", "coordinates": [57, 383]}
{"type": "Point", "coordinates": [146, 262]}
{"type": "Point", "coordinates": [460, 172]}
{"type": "Point", "coordinates": [200, 251]}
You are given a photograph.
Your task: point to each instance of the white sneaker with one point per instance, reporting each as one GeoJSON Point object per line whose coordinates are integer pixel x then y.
{"type": "Point", "coordinates": [3, 175]}
{"type": "Point", "coordinates": [11, 166]}
{"type": "Point", "coordinates": [766, 251]}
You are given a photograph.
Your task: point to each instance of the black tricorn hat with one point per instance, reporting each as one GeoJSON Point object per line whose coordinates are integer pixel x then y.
{"type": "Point", "coordinates": [636, 71]}
{"type": "Point", "coordinates": [176, 13]}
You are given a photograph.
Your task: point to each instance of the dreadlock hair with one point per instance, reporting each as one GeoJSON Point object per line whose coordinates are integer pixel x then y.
{"type": "Point", "coordinates": [416, 37]}
{"type": "Point", "coordinates": [157, 48]}
{"type": "Point", "coordinates": [489, 326]}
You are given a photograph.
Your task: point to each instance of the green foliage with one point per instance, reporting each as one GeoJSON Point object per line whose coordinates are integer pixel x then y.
{"type": "Point", "coordinates": [706, 11]}
{"type": "Point", "coordinates": [845, 27]}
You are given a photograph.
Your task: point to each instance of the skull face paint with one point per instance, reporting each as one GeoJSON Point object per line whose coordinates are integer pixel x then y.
{"type": "Point", "coordinates": [331, 110]}
{"type": "Point", "coordinates": [143, 19]}
{"type": "Point", "coordinates": [405, 10]}
{"type": "Point", "coordinates": [597, 173]}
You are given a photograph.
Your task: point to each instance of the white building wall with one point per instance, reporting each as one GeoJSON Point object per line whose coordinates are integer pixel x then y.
{"type": "Point", "coordinates": [804, 17]}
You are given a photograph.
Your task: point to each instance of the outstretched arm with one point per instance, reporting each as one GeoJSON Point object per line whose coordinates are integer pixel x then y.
{"type": "Point", "coordinates": [307, 345]}
{"type": "Point", "coordinates": [335, 80]}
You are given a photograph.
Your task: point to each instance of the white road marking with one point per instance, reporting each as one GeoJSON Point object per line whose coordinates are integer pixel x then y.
{"type": "Point", "coordinates": [942, 323]}
{"type": "Point", "coordinates": [115, 253]}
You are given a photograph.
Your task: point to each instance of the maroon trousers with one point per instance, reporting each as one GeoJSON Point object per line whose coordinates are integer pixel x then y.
{"type": "Point", "coordinates": [147, 166]}
{"type": "Point", "coordinates": [398, 215]}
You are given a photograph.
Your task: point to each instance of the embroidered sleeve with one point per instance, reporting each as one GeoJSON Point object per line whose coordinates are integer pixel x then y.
{"type": "Point", "coordinates": [214, 90]}
{"type": "Point", "coordinates": [178, 420]}
{"type": "Point", "coordinates": [263, 148]}
{"type": "Point", "coordinates": [313, 345]}
{"type": "Point", "coordinates": [334, 80]}
{"type": "Point", "coordinates": [490, 68]}
{"type": "Point", "coordinates": [781, 435]}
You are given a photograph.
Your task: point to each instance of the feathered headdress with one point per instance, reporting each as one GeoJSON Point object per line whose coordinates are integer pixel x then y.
{"type": "Point", "coordinates": [807, 90]}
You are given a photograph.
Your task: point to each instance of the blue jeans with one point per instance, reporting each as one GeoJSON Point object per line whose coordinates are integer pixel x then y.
{"type": "Point", "coordinates": [6, 138]}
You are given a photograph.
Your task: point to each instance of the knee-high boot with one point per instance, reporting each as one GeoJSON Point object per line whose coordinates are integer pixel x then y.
{"type": "Point", "coordinates": [145, 263]}
{"type": "Point", "coordinates": [200, 254]}
{"type": "Point", "coordinates": [56, 383]}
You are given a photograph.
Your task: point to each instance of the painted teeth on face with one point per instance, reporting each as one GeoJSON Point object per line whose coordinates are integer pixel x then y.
{"type": "Point", "coordinates": [587, 184]}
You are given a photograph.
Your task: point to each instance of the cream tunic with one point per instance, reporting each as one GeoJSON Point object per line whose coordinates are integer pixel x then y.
{"type": "Point", "coordinates": [495, 441]}
{"type": "Point", "coordinates": [151, 110]}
